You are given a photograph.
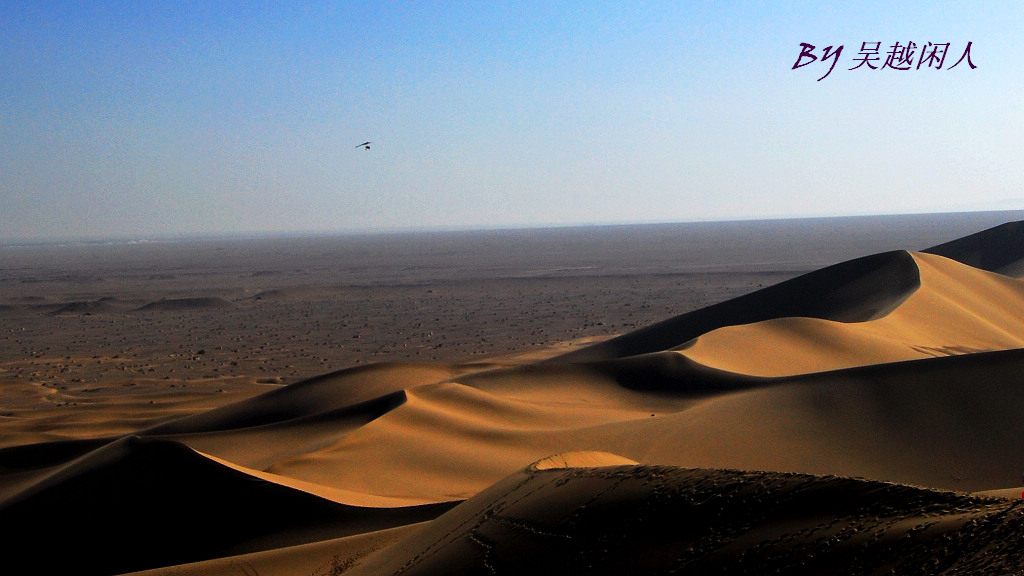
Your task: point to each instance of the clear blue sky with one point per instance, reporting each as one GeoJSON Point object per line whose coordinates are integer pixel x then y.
{"type": "Point", "coordinates": [156, 118]}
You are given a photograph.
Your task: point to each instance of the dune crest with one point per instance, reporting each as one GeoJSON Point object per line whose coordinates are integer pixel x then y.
{"type": "Point", "coordinates": [581, 460]}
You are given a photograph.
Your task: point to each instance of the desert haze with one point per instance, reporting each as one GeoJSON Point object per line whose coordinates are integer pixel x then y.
{"type": "Point", "coordinates": [821, 396]}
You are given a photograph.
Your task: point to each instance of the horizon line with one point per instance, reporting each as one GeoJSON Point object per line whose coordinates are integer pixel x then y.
{"type": "Point", "coordinates": [130, 238]}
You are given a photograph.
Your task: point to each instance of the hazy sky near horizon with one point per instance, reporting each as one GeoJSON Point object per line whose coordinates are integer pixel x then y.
{"type": "Point", "coordinates": [179, 118]}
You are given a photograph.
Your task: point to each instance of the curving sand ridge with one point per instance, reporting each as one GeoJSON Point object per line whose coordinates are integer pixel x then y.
{"type": "Point", "coordinates": [818, 426]}
{"type": "Point", "coordinates": [957, 309]}
{"type": "Point", "coordinates": [444, 428]}
{"type": "Point", "coordinates": [344, 389]}
{"type": "Point", "coordinates": [854, 291]}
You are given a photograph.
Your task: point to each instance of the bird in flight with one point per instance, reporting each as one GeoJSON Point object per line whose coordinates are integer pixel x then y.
{"type": "Point", "coordinates": [364, 145]}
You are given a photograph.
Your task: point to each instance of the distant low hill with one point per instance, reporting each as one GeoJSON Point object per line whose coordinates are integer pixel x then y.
{"type": "Point", "coordinates": [185, 304]}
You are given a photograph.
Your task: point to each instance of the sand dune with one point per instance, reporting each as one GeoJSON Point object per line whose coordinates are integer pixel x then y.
{"type": "Point", "coordinates": [450, 440]}
{"type": "Point", "coordinates": [656, 519]}
{"type": "Point", "coordinates": [957, 309]}
{"type": "Point", "coordinates": [833, 423]}
{"type": "Point", "coordinates": [886, 308]}
{"type": "Point", "coordinates": [854, 291]}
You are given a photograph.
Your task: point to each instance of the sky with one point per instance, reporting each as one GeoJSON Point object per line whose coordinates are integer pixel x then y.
{"type": "Point", "coordinates": [149, 119]}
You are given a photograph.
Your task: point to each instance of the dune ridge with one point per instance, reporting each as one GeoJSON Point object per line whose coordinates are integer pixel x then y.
{"type": "Point", "coordinates": [855, 291]}
{"type": "Point", "coordinates": [935, 306]}
{"type": "Point", "coordinates": [339, 390]}
{"type": "Point", "coordinates": [996, 249]}
{"type": "Point", "coordinates": [957, 309]}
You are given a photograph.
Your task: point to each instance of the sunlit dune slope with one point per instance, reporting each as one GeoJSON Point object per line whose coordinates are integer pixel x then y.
{"type": "Point", "coordinates": [294, 420]}
{"type": "Point", "coordinates": [449, 440]}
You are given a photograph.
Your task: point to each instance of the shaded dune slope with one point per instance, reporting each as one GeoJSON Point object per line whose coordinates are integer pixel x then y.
{"type": "Point", "coordinates": [140, 503]}
{"type": "Point", "coordinates": [324, 558]}
{"type": "Point", "coordinates": [17, 459]}
{"type": "Point", "coordinates": [658, 520]}
{"type": "Point", "coordinates": [999, 249]}
{"type": "Point", "coordinates": [951, 422]}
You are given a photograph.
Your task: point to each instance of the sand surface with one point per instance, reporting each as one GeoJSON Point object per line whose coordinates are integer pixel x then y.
{"type": "Point", "coordinates": [812, 397]}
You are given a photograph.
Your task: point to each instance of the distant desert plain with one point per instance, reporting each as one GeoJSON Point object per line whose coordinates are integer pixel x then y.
{"type": "Point", "coordinates": [806, 396]}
